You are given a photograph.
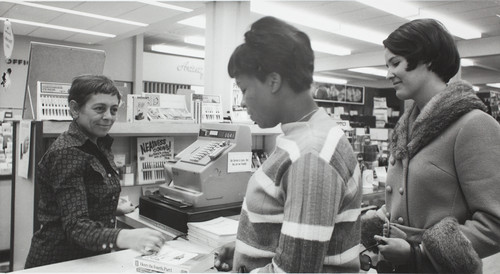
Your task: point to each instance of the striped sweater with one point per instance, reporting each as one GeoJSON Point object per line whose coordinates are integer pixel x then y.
{"type": "Point", "coordinates": [302, 206]}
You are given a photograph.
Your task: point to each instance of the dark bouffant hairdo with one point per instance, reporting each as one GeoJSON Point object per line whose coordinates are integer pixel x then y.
{"type": "Point", "coordinates": [84, 86]}
{"type": "Point", "coordinates": [272, 45]}
{"type": "Point", "coordinates": [426, 41]}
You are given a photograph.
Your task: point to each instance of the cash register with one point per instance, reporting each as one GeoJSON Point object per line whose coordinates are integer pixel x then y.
{"type": "Point", "coordinates": [206, 180]}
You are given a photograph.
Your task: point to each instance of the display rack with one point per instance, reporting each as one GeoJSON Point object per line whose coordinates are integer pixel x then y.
{"type": "Point", "coordinates": [52, 100]}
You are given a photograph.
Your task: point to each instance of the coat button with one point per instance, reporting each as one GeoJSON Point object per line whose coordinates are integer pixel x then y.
{"type": "Point", "coordinates": [112, 220]}
{"type": "Point", "coordinates": [401, 191]}
{"type": "Point", "coordinates": [109, 175]}
{"type": "Point", "coordinates": [388, 189]}
{"type": "Point", "coordinates": [401, 221]}
{"type": "Point", "coordinates": [104, 246]}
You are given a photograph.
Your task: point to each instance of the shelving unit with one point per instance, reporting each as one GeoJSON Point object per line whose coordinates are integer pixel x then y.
{"type": "Point", "coordinates": [123, 129]}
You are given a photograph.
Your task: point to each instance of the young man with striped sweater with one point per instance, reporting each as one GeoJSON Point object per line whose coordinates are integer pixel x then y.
{"type": "Point", "coordinates": [302, 206]}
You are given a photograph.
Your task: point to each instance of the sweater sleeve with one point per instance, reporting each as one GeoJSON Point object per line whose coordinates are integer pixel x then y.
{"type": "Point", "coordinates": [314, 191]}
{"type": "Point", "coordinates": [477, 155]}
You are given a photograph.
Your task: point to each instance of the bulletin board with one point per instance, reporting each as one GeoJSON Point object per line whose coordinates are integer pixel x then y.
{"type": "Point", "coordinates": [57, 63]}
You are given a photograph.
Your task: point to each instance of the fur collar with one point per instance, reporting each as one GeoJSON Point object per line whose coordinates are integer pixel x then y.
{"type": "Point", "coordinates": [437, 115]}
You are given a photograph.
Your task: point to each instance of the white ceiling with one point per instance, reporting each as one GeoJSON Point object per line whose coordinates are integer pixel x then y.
{"type": "Point", "coordinates": [163, 28]}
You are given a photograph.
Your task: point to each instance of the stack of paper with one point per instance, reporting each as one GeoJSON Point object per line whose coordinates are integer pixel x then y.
{"type": "Point", "coordinates": [214, 233]}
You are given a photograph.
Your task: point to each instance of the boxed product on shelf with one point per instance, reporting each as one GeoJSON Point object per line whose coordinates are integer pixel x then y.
{"type": "Point", "coordinates": [152, 107]}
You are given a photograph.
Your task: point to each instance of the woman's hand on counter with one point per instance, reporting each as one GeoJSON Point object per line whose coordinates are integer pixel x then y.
{"type": "Point", "coordinates": [143, 240]}
{"type": "Point", "coordinates": [224, 257]}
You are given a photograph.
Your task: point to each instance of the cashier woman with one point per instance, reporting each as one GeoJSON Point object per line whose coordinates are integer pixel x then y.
{"type": "Point", "coordinates": [79, 186]}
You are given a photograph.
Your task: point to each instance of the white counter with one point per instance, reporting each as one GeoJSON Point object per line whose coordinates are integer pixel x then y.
{"type": "Point", "coordinates": [118, 261]}
{"type": "Point", "coordinates": [114, 262]}
{"type": "Point", "coordinates": [122, 261]}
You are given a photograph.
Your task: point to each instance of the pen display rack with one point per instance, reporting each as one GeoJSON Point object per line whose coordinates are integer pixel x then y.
{"type": "Point", "coordinates": [52, 99]}
{"type": "Point", "coordinates": [152, 172]}
{"type": "Point", "coordinates": [206, 108]}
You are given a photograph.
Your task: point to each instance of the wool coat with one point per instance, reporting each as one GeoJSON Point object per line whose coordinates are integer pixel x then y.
{"type": "Point", "coordinates": [445, 162]}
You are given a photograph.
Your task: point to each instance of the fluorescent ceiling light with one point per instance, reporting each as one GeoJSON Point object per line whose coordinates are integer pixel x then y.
{"type": "Point", "coordinates": [293, 15]}
{"type": "Point", "coordinates": [372, 71]}
{"type": "Point", "coordinates": [86, 14]}
{"type": "Point", "coordinates": [330, 80]}
{"type": "Point", "coordinates": [163, 5]}
{"type": "Point", "coordinates": [329, 48]}
{"type": "Point", "coordinates": [195, 21]}
{"type": "Point", "coordinates": [410, 12]}
{"type": "Point", "coordinates": [195, 40]}
{"type": "Point", "coordinates": [398, 8]}
{"type": "Point", "coordinates": [58, 27]}
{"type": "Point", "coordinates": [178, 50]}
{"type": "Point", "coordinates": [466, 62]}
{"type": "Point", "coordinates": [455, 27]}
{"type": "Point", "coordinates": [317, 22]}
{"type": "Point", "coordinates": [494, 85]}
{"type": "Point", "coordinates": [362, 34]}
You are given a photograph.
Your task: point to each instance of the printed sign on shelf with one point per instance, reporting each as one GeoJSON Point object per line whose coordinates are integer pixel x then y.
{"type": "Point", "coordinates": [152, 154]}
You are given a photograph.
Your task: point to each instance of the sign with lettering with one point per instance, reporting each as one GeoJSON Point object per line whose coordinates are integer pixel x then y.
{"type": "Point", "coordinates": [152, 155]}
{"type": "Point", "coordinates": [173, 69]}
{"type": "Point", "coordinates": [239, 162]}
{"type": "Point", "coordinates": [8, 39]}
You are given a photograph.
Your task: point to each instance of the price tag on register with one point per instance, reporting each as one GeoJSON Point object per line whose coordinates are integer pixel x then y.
{"type": "Point", "coordinates": [239, 162]}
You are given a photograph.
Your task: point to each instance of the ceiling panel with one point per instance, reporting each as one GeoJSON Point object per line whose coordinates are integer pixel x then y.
{"type": "Point", "coordinates": [85, 39]}
{"type": "Point", "coordinates": [30, 14]}
{"type": "Point", "coordinates": [109, 8]}
{"type": "Point", "coordinates": [52, 34]}
{"type": "Point", "coordinates": [23, 30]}
{"type": "Point", "coordinates": [164, 29]}
{"type": "Point", "coordinates": [74, 21]}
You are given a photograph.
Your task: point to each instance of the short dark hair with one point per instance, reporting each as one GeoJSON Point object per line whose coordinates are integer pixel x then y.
{"type": "Point", "coordinates": [271, 45]}
{"type": "Point", "coordinates": [426, 41]}
{"type": "Point", "coordinates": [84, 86]}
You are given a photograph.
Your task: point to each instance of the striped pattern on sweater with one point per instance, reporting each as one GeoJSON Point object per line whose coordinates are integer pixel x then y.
{"type": "Point", "coordinates": [301, 209]}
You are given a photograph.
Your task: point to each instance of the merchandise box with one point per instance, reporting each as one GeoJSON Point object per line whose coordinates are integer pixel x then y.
{"type": "Point", "coordinates": [157, 107]}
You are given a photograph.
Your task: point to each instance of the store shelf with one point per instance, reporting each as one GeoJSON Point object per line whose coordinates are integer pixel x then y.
{"type": "Point", "coordinates": [120, 129]}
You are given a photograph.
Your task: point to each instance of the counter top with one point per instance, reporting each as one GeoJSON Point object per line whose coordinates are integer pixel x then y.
{"type": "Point", "coordinates": [118, 261]}
{"type": "Point", "coordinates": [114, 262]}
{"type": "Point", "coordinates": [122, 261]}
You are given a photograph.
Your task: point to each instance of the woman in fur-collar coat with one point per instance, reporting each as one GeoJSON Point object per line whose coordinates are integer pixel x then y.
{"type": "Point", "coordinates": [445, 153]}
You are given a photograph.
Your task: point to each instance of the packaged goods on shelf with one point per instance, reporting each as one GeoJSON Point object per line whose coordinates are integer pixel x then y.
{"type": "Point", "coordinates": [153, 107]}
